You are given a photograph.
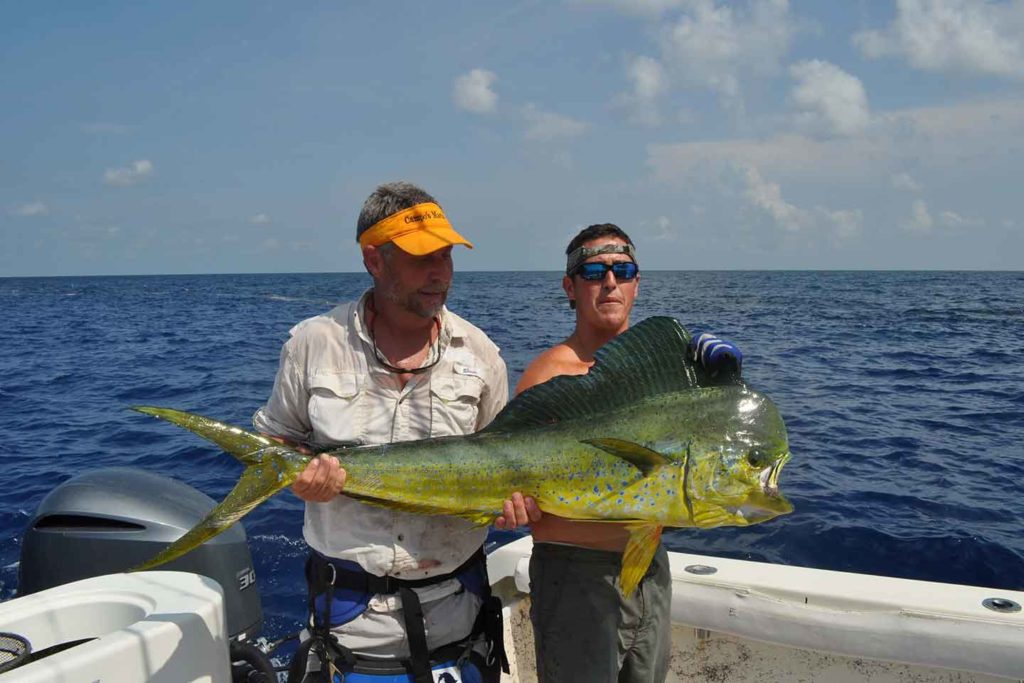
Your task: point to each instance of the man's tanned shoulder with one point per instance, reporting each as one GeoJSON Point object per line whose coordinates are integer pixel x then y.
{"type": "Point", "coordinates": [558, 360]}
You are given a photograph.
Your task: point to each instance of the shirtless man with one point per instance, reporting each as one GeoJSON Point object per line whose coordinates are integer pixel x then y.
{"type": "Point", "coordinates": [584, 630]}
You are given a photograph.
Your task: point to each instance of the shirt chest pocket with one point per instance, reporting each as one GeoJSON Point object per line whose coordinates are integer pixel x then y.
{"type": "Point", "coordinates": [335, 408]}
{"type": "Point", "coordinates": [455, 404]}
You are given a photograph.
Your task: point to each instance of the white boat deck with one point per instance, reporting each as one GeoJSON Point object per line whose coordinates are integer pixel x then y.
{"type": "Point", "coordinates": [751, 621]}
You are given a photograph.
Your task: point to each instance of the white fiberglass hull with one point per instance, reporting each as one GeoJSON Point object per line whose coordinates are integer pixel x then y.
{"type": "Point", "coordinates": [751, 621]}
{"type": "Point", "coordinates": [147, 627]}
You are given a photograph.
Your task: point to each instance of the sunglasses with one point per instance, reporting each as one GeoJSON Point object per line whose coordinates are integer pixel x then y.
{"type": "Point", "coordinates": [624, 271]}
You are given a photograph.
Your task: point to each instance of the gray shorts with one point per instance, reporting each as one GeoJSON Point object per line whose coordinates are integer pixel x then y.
{"type": "Point", "coordinates": [584, 630]}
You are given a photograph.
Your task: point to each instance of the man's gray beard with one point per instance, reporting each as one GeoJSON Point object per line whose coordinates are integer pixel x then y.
{"type": "Point", "coordinates": [413, 305]}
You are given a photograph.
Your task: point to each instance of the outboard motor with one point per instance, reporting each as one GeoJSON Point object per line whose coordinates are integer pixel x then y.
{"type": "Point", "coordinates": [107, 521]}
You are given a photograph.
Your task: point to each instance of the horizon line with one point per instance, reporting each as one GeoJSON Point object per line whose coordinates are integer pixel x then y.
{"type": "Point", "coordinates": [559, 271]}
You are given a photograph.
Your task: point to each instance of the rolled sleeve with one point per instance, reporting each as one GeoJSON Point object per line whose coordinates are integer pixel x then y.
{"type": "Point", "coordinates": [495, 394]}
{"type": "Point", "coordinates": [286, 412]}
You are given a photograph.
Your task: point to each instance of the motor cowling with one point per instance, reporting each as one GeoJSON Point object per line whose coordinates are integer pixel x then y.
{"type": "Point", "coordinates": [107, 521]}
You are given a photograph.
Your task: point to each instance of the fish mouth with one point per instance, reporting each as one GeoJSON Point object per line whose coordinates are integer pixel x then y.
{"type": "Point", "coordinates": [770, 477]}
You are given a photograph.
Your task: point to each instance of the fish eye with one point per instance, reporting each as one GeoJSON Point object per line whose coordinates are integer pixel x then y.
{"type": "Point", "coordinates": [759, 457]}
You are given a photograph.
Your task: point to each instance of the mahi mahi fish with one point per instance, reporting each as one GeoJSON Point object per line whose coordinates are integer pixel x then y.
{"type": "Point", "coordinates": [646, 437]}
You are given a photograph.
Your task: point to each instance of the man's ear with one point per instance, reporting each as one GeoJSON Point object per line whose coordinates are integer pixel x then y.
{"type": "Point", "coordinates": [373, 260]}
{"type": "Point", "coordinates": [570, 290]}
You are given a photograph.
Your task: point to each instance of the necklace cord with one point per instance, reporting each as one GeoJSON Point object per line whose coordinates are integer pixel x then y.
{"type": "Point", "coordinates": [434, 350]}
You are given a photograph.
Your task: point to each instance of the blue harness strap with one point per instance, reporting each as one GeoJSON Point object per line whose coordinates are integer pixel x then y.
{"type": "Point", "coordinates": [346, 603]}
{"type": "Point", "coordinates": [340, 590]}
{"type": "Point", "coordinates": [445, 672]}
{"type": "Point", "coordinates": [354, 586]}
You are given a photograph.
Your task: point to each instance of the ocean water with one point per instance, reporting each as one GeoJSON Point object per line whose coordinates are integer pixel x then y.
{"type": "Point", "coordinates": [903, 393]}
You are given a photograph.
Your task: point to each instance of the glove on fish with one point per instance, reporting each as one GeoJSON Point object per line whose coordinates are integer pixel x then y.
{"type": "Point", "coordinates": [715, 354]}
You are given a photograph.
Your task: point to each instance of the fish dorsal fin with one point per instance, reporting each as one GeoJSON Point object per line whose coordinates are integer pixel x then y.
{"type": "Point", "coordinates": [642, 457]}
{"type": "Point", "coordinates": [646, 360]}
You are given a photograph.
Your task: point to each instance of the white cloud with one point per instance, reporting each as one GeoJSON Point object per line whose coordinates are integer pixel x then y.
{"type": "Point", "coordinates": [949, 137]}
{"type": "Point", "coordinates": [472, 91]}
{"type": "Point", "coordinates": [793, 155]}
{"type": "Point", "coordinates": [660, 229]}
{"type": "Point", "coordinates": [951, 219]}
{"type": "Point", "coordinates": [952, 35]}
{"type": "Point", "coordinates": [129, 175]}
{"type": "Point", "coordinates": [841, 225]}
{"type": "Point", "coordinates": [903, 181]}
{"type": "Point", "coordinates": [829, 98]}
{"type": "Point", "coordinates": [768, 197]}
{"type": "Point", "coordinates": [260, 219]}
{"type": "Point", "coordinates": [544, 125]}
{"type": "Point", "coordinates": [30, 209]}
{"type": "Point", "coordinates": [649, 82]}
{"type": "Point", "coordinates": [647, 76]}
{"type": "Point", "coordinates": [920, 220]}
{"type": "Point", "coordinates": [717, 46]}
{"type": "Point", "coordinates": [845, 225]}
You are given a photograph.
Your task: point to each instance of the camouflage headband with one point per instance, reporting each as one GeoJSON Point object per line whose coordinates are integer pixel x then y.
{"type": "Point", "coordinates": [581, 254]}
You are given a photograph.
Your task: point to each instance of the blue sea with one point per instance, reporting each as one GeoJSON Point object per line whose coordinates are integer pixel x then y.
{"type": "Point", "coordinates": [903, 393]}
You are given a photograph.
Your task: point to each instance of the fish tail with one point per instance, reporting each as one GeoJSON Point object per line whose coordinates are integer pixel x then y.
{"type": "Point", "coordinates": [245, 446]}
{"type": "Point", "coordinates": [270, 467]}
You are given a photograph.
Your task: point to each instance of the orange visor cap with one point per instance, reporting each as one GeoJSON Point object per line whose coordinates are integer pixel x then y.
{"type": "Point", "coordinates": [418, 230]}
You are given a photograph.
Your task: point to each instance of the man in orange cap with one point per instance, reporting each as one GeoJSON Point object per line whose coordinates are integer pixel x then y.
{"type": "Point", "coordinates": [390, 588]}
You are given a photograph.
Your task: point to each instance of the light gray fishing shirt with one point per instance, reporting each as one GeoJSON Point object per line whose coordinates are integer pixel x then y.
{"type": "Point", "coordinates": [330, 390]}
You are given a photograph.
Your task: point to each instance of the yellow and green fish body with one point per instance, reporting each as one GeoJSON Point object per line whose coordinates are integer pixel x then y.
{"type": "Point", "coordinates": [645, 438]}
{"type": "Point", "coordinates": [568, 470]}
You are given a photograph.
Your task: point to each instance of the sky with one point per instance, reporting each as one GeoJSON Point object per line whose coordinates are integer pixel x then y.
{"type": "Point", "coordinates": [237, 137]}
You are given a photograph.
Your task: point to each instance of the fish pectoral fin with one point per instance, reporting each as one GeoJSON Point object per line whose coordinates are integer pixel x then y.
{"type": "Point", "coordinates": [643, 543]}
{"type": "Point", "coordinates": [708, 518]}
{"type": "Point", "coordinates": [642, 457]}
{"type": "Point", "coordinates": [475, 517]}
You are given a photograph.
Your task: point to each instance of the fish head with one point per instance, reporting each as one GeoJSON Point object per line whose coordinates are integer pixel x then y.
{"type": "Point", "coordinates": [732, 478]}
